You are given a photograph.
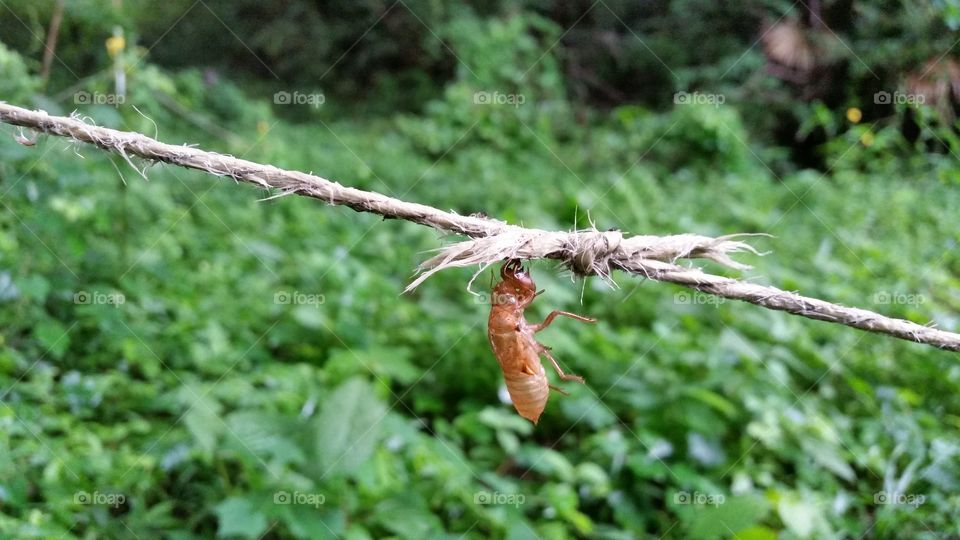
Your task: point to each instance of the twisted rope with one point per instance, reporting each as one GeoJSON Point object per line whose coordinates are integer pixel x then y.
{"type": "Point", "coordinates": [589, 252]}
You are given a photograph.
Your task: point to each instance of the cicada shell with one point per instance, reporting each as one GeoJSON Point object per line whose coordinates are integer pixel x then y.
{"type": "Point", "coordinates": [513, 342]}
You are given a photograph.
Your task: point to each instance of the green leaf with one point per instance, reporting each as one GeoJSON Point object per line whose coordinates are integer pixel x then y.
{"type": "Point", "coordinates": [585, 407]}
{"type": "Point", "coordinates": [551, 463]}
{"type": "Point", "coordinates": [238, 517]}
{"type": "Point", "coordinates": [714, 400]}
{"type": "Point", "coordinates": [829, 457]}
{"type": "Point", "coordinates": [308, 522]}
{"type": "Point", "coordinates": [309, 317]}
{"type": "Point", "coordinates": [595, 477]}
{"type": "Point", "coordinates": [508, 441]}
{"type": "Point", "coordinates": [725, 518]}
{"type": "Point", "coordinates": [205, 426]}
{"type": "Point", "coordinates": [348, 427]}
{"type": "Point", "coordinates": [520, 529]}
{"type": "Point", "coordinates": [53, 336]}
{"type": "Point", "coordinates": [407, 517]}
{"type": "Point", "coordinates": [266, 435]}
{"type": "Point", "coordinates": [34, 287]}
{"type": "Point", "coordinates": [389, 364]}
{"type": "Point", "coordinates": [501, 419]}
{"type": "Point", "coordinates": [802, 517]}
{"type": "Point", "coordinates": [756, 533]}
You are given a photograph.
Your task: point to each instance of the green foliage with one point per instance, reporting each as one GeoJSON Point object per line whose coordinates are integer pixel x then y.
{"type": "Point", "coordinates": [16, 83]}
{"type": "Point", "coordinates": [179, 360]}
{"type": "Point", "coordinates": [950, 10]}
{"type": "Point", "coordinates": [508, 93]}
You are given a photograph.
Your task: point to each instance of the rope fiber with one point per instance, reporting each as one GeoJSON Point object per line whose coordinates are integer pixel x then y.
{"type": "Point", "coordinates": [585, 252]}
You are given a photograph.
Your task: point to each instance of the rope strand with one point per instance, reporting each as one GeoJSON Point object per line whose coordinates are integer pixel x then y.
{"type": "Point", "coordinates": [587, 252]}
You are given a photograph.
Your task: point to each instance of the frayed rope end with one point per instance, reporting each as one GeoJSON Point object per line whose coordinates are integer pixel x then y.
{"type": "Point", "coordinates": [586, 253]}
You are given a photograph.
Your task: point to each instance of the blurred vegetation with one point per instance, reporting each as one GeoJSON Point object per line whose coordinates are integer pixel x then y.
{"type": "Point", "coordinates": [180, 360]}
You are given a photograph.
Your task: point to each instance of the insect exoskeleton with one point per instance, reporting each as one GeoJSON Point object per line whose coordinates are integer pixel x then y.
{"type": "Point", "coordinates": [513, 342]}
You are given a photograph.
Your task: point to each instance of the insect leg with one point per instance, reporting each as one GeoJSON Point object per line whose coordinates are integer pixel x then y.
{"type": "Point", "coordinates": [510, 268]}
{"type": "Point", "coordinates": [556, 366]}
{"type": "Point", "coordinates": [553, 315]}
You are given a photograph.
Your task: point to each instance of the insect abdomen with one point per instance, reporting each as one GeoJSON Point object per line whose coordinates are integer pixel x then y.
{"type": "Point", "coordinates": [529, 393]}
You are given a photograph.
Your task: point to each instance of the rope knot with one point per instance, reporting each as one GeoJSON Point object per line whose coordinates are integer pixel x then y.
{"type": "Point", "coordinates": [591, 251]}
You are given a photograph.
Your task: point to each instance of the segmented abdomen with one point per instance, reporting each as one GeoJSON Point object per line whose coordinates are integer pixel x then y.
{"type": "Point", "coordinates": [519, 358]}
{"type": "Point", "coordinates": [529, 393]}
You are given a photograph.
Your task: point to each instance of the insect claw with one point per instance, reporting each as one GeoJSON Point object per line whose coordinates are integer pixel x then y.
{"type": "Point", "coordinates": [564, 392]}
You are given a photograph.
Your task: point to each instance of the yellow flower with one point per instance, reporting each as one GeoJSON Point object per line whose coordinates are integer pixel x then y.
{"type": "Point", "coordinates": [854, 115]}
{"type": "Point", "coordinates": [115, 45]}
{"type": "Point", "coordinates": [867, 138]}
